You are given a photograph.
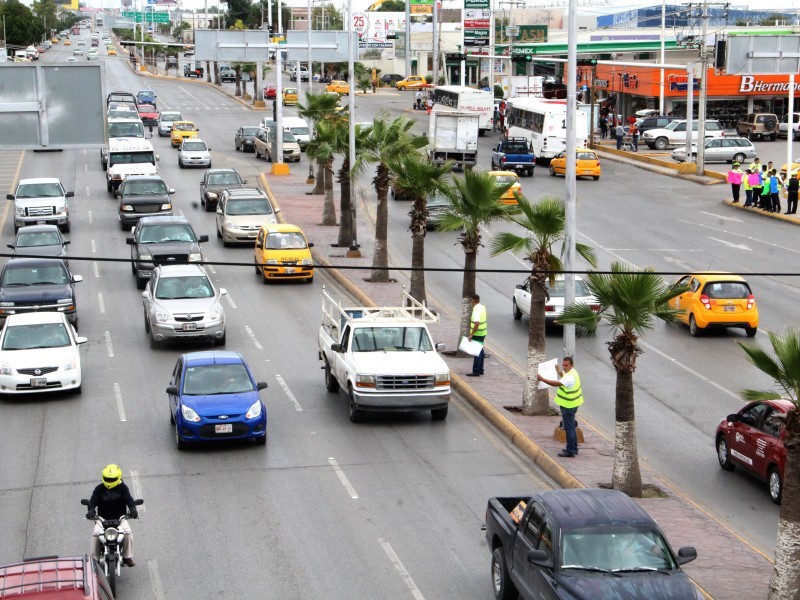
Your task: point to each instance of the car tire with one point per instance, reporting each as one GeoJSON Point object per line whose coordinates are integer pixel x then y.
{"type": "Point", "coordinates": [552, 171]}
{"type": "Point", "coordinates": [773, 137]}
{"type": "Point", "coordinates": [219, 235]}
{"type": "Point", "coordinates": [661, 143]}
{"type": "Point", "coordinates": [356, 415]}
{"type": "Point", "coordinates": [268, 156]}
{"type": "Point", "coordinates": [738, 157]}
{"type": "Point", "coordinates": [255, 149]}
{"type": "Point", "coordinates": [180, 163]}
{"type": "Point", "coordinates": [751, 331]}
{"type": "Point", "coordinates": [775, 484]}
{"type": "Point", "coordinates": [64, 228]}
{"type": "Point", "coordinates": [309, 279]}
{"type": "Point", "coordinates": [146, 324]}
{"type": "Point", "coordinates": [153, 343]}
{"type": "Point", "coordinates": [221, 341]}
{"type": "Point", "coordinates": [209, 165]}
{"type": "Point", "coordinates": [141, 282]}
{"type": "Point", "coordinates": [78, 390]}
{"type": "Point", "coordinates": [694, 330]}
{"type": "Point", "coordinates": [261, 440]}
{"type": "Point", "coordinates": [171, 416]}
{"type": "Point", "coordinates": [331, 383]}
{"type": "Point", "coordinates": [180, 443]}
{"type": "Point", "coordinates": [724, 454]}
{"type": "Point", "coordinates": [515, 311]}
{"type": "Point", "coordinates": [595, 177]}
{"type": "Point", "coordinates": [530, 172]}
{"type": "Point", "coordinates": [257, 268]}
{"type": "Point", "coordinates": [439, 414]}
{"type": "Point", "coordinates": [109, 187]}
{"type": "Point", "coordinates": [502, 586]}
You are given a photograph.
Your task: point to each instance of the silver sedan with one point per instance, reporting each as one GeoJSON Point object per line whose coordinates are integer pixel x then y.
{"type": "Point", "coordinates": [725, 149]}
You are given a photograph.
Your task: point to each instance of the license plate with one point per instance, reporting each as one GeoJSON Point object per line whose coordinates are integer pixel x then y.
{"type": "Point", "coordinates": [223, 428]}
{"type": "Point", "coordinates": [252, 235]}
{"type": "Point", "coordinates": [189, 327]}
{"type": "Point", "coordinates": [40, 222]}
{"type": "Point", "coordinates": [587, 172]}
{"type": "Point", "coordinates": [290, 270]}
{"type": "Point", "coordinates": [729, 308]}
{"type": "Point", "coordinates": [38, 381]}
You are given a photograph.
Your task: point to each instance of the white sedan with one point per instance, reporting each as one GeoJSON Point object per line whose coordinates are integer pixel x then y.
{"type": "Point", "coordinates": [39, 353]}
{"type": "Point", "coordinates": [554, 305]}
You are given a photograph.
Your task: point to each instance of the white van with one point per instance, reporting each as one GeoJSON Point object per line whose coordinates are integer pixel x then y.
{"type": "Point", "coordinates": [783, 126]}
{"type": "Point", "coordinates": [121, 128]}
{"type": "Point", "coordinates": [300, 130]}
{"type": "Point", "coordinates": [129, 156]}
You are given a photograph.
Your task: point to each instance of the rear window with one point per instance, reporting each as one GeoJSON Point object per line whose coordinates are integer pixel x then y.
{"type": "Point", "coordinates": [713, 126]}
{"type": "Point", "coordinates": [727, 290]}
{"type": "Point", "coordinates": [516, 148]}
{"type": "Point", "coordinates": [587, 156]}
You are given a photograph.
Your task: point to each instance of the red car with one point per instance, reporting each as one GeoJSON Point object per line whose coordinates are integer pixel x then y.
{"type": "Point", "coordinates": [753, 440]}
{"type": "Point", "coordinates": [53, 577]}
{"type": "Point", "coordinates": [270, 90]}
{"type": "Point", "coordinates": [148, 114]}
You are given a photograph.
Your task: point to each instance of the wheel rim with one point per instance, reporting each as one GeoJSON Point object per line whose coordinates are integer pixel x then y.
{"type": "Point", "coordinates": [774, 484]}
{"type": "Point", "coordinates": [692, 325]}
{"type": "Point", "coordinates": [496, 577]}
{"type": "Point", "coordinates": [722, 451]}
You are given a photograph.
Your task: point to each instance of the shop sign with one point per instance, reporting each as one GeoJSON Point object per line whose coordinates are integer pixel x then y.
{"type": "Point", "coordinates": [601, 83]}
{"type": "Point", "coordinates": [749, 84]}
{"type": "Point", "coordinates": [476, 33]}
{"type": "Point", "coordinates": [476, 42]}
{"type": "Point", "coordinates": [528, 34]}
{"type": "Point", "coordinates": [680, 83]}
{"type": "Point", "coordinates": [477, 4]}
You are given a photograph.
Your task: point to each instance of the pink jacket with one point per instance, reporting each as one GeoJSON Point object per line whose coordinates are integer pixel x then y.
{"type": "Point", "coordinates": [735, 177]}
{"type": "Point", "coordinates": [754, 180]}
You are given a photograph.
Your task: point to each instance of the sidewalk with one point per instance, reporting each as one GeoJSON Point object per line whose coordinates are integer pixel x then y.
{"type": "Point", "coordinates": [725, 566]}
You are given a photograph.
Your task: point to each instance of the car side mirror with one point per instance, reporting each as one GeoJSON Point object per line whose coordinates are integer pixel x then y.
{"type": "Point", "coordinates": [686, 554]}
{"type": "Point", "coordinates": [520, 286]}
{"type": "Point", "coordinates": [733, 418]}
{"type": "Point", "coordinates": [10, 246]}
{"type": "Point", "coordinates": [81, 340]}
{"type": "Point", "coordinates": [77, 278]}
{"type": "Point", "coordinates": [209, 149]}
{"type": "Point", "coordinates": [310, 244]}
{"type": "Point", "coordinates": [223, 291]}
{"type": "Point", "coordinates": [202, 238]}
{"type": "Point", "coordinates": [245, 181]}
{"type": "Point", "coordinates": [172, 390]}
{"type": "Point", "coordinates": [171, 190]}
{"type": "Point", "coordinates": [261, 385]}
{"type": "Point", "coordinates": [130, 241]}
{"type": "Point", "coordinates": [65, 242]}
{"type": "Point", "coordinates": [145, 294]}
{"type": "Point", "coordinates": [540, 558]}
{"type": "Point", "coordinates": [9, 196]}
{"type": "Point", "coordinates": [70, 194]}
{"type": "Point", "coordinates": [336, 347]}
{"type": "Point", "coordinates": [441, 347]}
{"type": "Point", "coordinates": [219, 210]}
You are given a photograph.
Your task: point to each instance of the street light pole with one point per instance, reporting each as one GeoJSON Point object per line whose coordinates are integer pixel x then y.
{"type": "Point", "coordinates": [570, 210]}
{"type": "Point", "coordinates": [354, 252]}
{"type": "Point", "coordinates": [701, 105]}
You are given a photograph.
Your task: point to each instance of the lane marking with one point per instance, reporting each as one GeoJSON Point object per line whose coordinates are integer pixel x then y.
{"type": "Point", "coordinates": [184, 90]}
{"type": "Point", "coordinates": [120, 405]}
{"type": "Point", "coordinates": [136, 485]}
{"type": "Point", "coordinates": [85, 167]}
{"type": "Point", "coordinates": [91, 217]}
{"type": "Point", "coordinates": [253, 337]}
{"type": "Point", "coordinates": [84, 151]}
{"type": "Point", "coordinates": [611, 252]}
{"type": "Point", "coordinates": [94, 247]}
{"type": "Point", "coordinates": [88, 190]}
{"type": "Point", "coordinates": [155, 579]}
{"type": "Point", "coordinates": [343, 478]}
{"type": "Point", "coordinates": [96, 269]}
{"type": "Point", "coordinates": [739, 235]}
{"type": "Point", "coordinates": [109, 347]}
{"type": "Point", "coordinates": [211, 269]}
{"type": "Point", "coordinates": [716, 216]}
{"type": "Point", "coordinates": [230, 300]}
{"type": "Point", "coordinates": [289, 393]}
{"type": "Point", "coordinates": [404, 574]}
{"type": "Point", "coordinates": [101, 303]}
{"type": "Point", "coordinates": [730, 244]}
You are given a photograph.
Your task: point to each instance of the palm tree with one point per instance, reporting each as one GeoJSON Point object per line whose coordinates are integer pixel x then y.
{"type": "Point", "coordinates": [343, 176]}
{"type": "Point", "coordinates": [416, 176]}
{"type": "Point", "coordinates": [784, 368]}
{"type": "Point", "coordinates": [544, 225]}
{"type": "Point", "coordinates": [318, 108]}
{"type": "Point", "coordinates": [322, 148]}
{"type": "Point", "coordinates": [630, 302]}
{"type": "Point", "coordinates": [384, 142]}
{"type": "Point", "coordinates": [474, 201]}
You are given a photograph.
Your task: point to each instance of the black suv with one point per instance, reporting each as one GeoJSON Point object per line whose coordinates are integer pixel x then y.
{"type": "Point", "coordinates": [143, 196]}
{"type": "Point", "coordinates": [214, 182]}
{"type": "Point", "coordinates": [167, 240]}
{"type": "Point", "coordinates": [656, 122]}
{"type": "Point", "coordinates": [38, 284]}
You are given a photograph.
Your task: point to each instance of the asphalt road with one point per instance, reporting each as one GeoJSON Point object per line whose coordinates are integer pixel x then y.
{"type": "Point", "coordinates": [391, 508]}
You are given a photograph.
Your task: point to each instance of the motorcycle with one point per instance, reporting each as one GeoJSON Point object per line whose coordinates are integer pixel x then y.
{"type": "Point", "coordinates": [111, 539]}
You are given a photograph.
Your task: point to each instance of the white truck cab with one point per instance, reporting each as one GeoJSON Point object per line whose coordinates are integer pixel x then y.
{"type": "Point", "coordinates": [41, 201]}
{"type": "Point", "coordinates": [129, 156]}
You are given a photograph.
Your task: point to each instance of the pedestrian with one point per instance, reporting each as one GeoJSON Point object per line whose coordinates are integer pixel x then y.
{"type": "Point", "coordinates": [752, 182]}
{"type": "Point", "coordinates": [496, 118]}
{"type": "Point", "coordinates": [792, 186]}
{"type": "Point", "coordinates": [634, 133]}
{"type": "Point", "coordinates": [418, 97]}
{"type": "Point", "coordinates": [774, 191]}
{"type": "Point", "coordinates": [620, 133]}
{"type": "Point", "coordinates": [766, 198]}
{"type": "Point", "coordinates": [735, 177]}
{"type": "Point", "coordinates": [568, 398]}
{"type": "Point", "coordinates": [756, 164]}
{"type": "Point", "coordinates": [756, 183]}
{"type": "Point", "coordinates": [374, 86]}
{"type": "Point", "coordinates": [478, 333]}
{"type": "Point", "coordinates": [748, 188]}
{"type": "Point", "coordinates": [603, 127]}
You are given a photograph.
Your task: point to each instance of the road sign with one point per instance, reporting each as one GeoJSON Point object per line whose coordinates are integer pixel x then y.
{"type": "Point", "coordinates": [147, 17]}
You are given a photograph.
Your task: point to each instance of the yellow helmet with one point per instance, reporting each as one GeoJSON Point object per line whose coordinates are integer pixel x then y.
{"type": "Point", "coordinates": [112, 476]}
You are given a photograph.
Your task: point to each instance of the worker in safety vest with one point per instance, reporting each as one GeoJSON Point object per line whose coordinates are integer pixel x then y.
{"type": "Point", "coordinates": [568, 397]}
{"type": "Point", "coordinates": [477, 333]}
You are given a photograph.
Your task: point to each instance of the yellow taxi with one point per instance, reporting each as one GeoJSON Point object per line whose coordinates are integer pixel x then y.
{"type": "Point", "coordinates": [339, 105]}
{"type": "Point", "coordinates": [412, 82]}
{"type": "Point", "coordinates": [587, 165]}
{"type": "Point", "coordinates": [54, 40]}
{"type": "Point", "coordinates": [67, 42]}
{"type": "Point", "coordinates": [338, 87]}
{"type": "Point", "coordinates": [289, 96]}
{"type": "Point", "coordinates": [795, 167]}
{"type": "Point", "coordinates": [282, 252]}
{"type": "Point", "coordinates": [182, 130]}
{"type": "Point", "coordinates": [508, 177]}
{"type": "Point", "coordinates": [716, 300]}
{"type": "Point", "coordinates": [111, 51]}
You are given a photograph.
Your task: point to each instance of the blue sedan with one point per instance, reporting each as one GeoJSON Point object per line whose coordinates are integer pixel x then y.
{"type": "Point", "coordinates": [213, 396]}
{"type": "Point", "coordinates": [146, 97]}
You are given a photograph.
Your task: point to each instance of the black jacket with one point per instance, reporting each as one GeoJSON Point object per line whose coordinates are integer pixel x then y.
{"type": "Point", "coordinates": [793, 184]}
{"type": "Point", "coordinates": [112, 504]}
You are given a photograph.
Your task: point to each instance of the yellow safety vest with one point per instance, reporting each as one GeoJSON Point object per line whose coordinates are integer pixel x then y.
{"type": "Point", "coordinates": [479, 314]}
{"type": "Point", "coordinates": [570, 397]}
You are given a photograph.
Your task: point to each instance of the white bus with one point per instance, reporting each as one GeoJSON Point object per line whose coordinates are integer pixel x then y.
{"type": "Point", "coordinates": [544, 123]}
{"type": "Point", "coordinates": [461, 99]}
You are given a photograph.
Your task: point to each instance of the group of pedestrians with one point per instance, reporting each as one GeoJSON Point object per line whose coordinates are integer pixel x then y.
{"type": "Point", "coordinates": [762, 186]}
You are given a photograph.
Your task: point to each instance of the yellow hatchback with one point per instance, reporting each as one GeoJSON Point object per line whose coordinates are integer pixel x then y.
{"type": "Point", "coordinates": [111, 51]}
{"type": "Point", "coordinates": [508, 177]}
{"type": "Point", "coordinates": [412, 82]}
{"type": "Point", "coordinates": [182, 130]}
{"type": "Point", "coordinates": [588, 164]}
{"type": "Point", "coordinates": [282, 252]}
{"type": "Point", "coordinates": [716, 300]}
{"type": "Point", "coordinates": [54, 40]}
{"type": "Point", "coordinates": [338, 87]}
{"type": "Point", "coordinates": [289, 96]}
{"type": "Point", "coordinates": [67, 42]}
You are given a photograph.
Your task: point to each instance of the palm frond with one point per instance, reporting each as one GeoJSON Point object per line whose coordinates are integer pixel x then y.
{"type": "Point", "coordinates": [582, 316]}
{"type": "Point", "coordinates": [510, 242]}
{"type": "Point", "coordinates": [751, 395]}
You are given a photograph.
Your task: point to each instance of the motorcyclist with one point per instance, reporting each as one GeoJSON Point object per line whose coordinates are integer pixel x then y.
{"type": "Point", "coordinates": [111, 500]}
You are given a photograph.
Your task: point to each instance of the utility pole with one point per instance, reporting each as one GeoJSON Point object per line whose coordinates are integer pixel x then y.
{"type": "Point", "coordinates": [701, 105]}
{"type": "Point", "coordinates": [435, 43]}
{"type": "Point", "coordinates": [408, 38]}
{"type": "Point", "coordinates": [570, 211]}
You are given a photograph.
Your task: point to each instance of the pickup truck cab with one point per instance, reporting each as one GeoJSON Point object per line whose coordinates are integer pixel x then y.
{"type": "Point", "coordinates": [41, 201]}
{"type": "Point", "coordinates": [582, 544]}
{"type": "Point", "coordinates": [674, 134]}
{"type": "Point", "coordinates": [189, 71]}
{"type": "Point", "coordinates": [383, 358]}
{"type": "Point", "coordinates": [514, 154]}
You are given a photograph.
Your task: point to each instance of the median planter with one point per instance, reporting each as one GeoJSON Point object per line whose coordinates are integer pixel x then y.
{"type": "Point", "coordinates": [687, 168]}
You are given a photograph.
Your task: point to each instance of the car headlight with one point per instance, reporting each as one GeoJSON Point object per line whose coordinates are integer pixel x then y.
{"type": "Point", "coordinates": [189, 414]}
{"type": "Point", "coordinates": [6, 304]}
{"type": "Point", "coordinates": [212, 195]}
{"type": "Point", "coordinates": [162, 316]}
{"type": "Point", "coordinates": [215, 314]}
{"type": "Point", "coordinates": [306, 262]}
{"type": "Point", "coordinates": [254, 411]}
{"type": "Point", "coordinates": [271, 261]}
{"type": "Point", "coordinates": [365, 380]}
{"type": "Point", "coordinates": [195, 257]}
{"type": "Point", "coordinates": [145, 256]}
{"type": "Point", "coordinates": [69, 365]}
{"type": "Point", "coordinates": [230, 225]}
{"type": "Point", "coordinates": [5, 369]}
{"type": "Point", "coordinates": [62, 211]}
{"type": "Point", "coordinates": [20, 212]}
{"type": "Point", "coordinates": [442, 379]}
{"type": "Point", "coordinates": [166, 206]}
{"type": "Point", "coordinates": [126, 208]}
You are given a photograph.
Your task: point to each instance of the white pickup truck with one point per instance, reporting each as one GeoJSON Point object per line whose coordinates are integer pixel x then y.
{"type": "Point", "coordinates": [383, 358]}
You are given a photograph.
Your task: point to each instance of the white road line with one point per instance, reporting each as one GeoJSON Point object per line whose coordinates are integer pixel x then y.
{"type": "Point", "coordinates": [94, 247]}
{"type": "Point", "coordinates": [181, 88]}
{"type": "Point", "coordinates": [211, 269]}
{"type": "Point", "coordinates": [253, 337]}
{"type": "Point", "coordinates": [120, 405]}
{"type": "Point", "coordinates": [716, 216]}
{"type": "Point", "coordinates": [230, 300]}
{"type": "Point", "coordinates": [746, 237]}
{"type": "Point", "coordinates": [109, 347]}
{"type": "Point", "coordinates": [730, 244]}
{"type": "Point", "coordinates": [343, 478]}
{"type": "Point", "coordinates": [155, 580]}
{"type": "Point", "coordinates": [96, 269]}
{"type": "Point", "coordinates": [90, 217]}
{"type": "Point", "coordinates": [101, 303]}
{"type": "Point", "coordinates": [85, 167]}
{"type": "Point", "coordinates": [412, 587]}
{"type": "Point", "coordinates": [289, 393]}
{"type": "Point", "coordinates": [84, 151]}
{"type": "Point", "coordinates": [136, 486]}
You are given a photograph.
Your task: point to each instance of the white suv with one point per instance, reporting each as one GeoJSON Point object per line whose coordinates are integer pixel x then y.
{"type": "Point", "coordinates": [674, 134]}
{"type": "Point", "coordinates": [783, 126]}
{"type": "Point", "coordinates": [194, 152]}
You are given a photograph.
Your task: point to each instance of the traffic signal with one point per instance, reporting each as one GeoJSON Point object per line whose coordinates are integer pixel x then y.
{"type": "Point", "coordinates": [521, 58]}
{"type": "Point", "coordinates": [455, 56]}
{"type": "Point", "coordinates": [587, 62]}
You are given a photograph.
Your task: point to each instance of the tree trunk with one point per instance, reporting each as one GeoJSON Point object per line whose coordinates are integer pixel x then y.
{"type": "Point", "coordinates": [208, 71]}
{"type": "Point", "coordinates": [534, 400]}
{"type": "Point", "coordinates": [319, 182]}
{"type": "Point", "coordinates": [418, 218]}
{"type": "Point", "coordinates": [626, 477]}
{"type": "Point", "coordinates": [786, 575]}
{"type": "Point", "coordinates": [380, 256]}
{"type": "Point", "coordinates": [467, 291]}
{"type": "Point", "coordinates": [328, 207]}
{"type": "Point", "coordinates": [345, 212]}
{"type": "Point", "coordinates": [216, 73]}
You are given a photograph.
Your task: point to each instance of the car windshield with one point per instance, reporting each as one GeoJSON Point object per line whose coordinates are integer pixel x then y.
{"type": "Point", "coordinates": [144, 188]}
{"type": "Point", "coordinates": [171, 116]}
{"type": "Point", "coordinates": [615, 549]}
{"type": "Point", "coordinates": [726, 290]}
{"type": "Point", "coordinates": [180, 288]}
{"type": "Point", "coordinates": [159, 234]}
{"type": "Point", "coordinates": [117, 130]}
{"type": "Point", "coordinates": [184, 126]}
{"type": "Point", "coordinates": [391, 339]}
{"type": "Point", "coordinates": [288, 137]}
{"type": "Point", "coordinates": [194, 146]}
{"type": "Point", "coordinates": [122, 113]}
{"type": "Point", "coordinates": [208, 380]}
{"type": "Point", "coordinates": [558, 287]}
{"type": "Point", "coordinates": [44, 275]}
{"type": "Point", "coordinates": [35, 336]}
{"type": "Point", "coordinates": [255, 206]}
{"type": "Point", "coordinates": [224, 179]}
{"type": "Point", "coordinates": [436, 199]}
{"type": "Point", "coordinates": [38, 238]}
{"type": "Point", "coordinates": [291, 241]}
{"type": "Point", "coordinates": [131, 158]}
{"type": "Point", "coordinates": [39, 190]}
{"type": "Point", "coordinates": [299, 131]}
{"type": "Point", "coordinates": [672, 125]}
{"type": "Point", "coordinates": [249, 130]}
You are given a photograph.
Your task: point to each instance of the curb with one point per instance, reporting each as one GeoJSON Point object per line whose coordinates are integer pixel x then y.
{"type": "Point", "coordinates": [794, 220]}
{"type": "Point", "coordinates": [658, 166]}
